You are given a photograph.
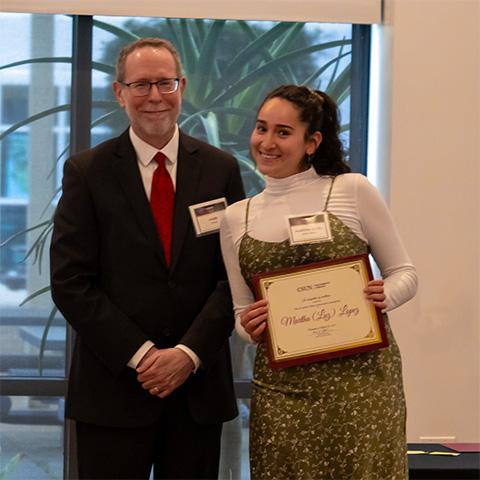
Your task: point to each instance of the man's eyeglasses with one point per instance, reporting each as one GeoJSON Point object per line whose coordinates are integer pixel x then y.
{"type": "Point", "coordinates": [142, 88]}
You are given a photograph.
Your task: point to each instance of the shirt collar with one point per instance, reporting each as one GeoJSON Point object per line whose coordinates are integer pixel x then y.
{"type": "Point", "coordinates": [145, 152]}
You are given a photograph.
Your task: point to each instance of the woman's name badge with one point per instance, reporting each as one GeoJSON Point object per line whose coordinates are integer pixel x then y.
{"type": "Point", "coordinates": [206, 216]}
{"type": "Point", "coordinates": [309, 228]}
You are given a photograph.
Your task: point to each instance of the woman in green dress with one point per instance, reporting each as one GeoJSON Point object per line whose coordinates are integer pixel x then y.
{"type": "Point", "coordinates": [341, 418]}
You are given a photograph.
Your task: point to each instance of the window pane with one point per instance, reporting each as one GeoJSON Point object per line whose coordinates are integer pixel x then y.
{"type": "Point", "coordinates": [31, 429]}
{"type": "Point", "coordinates": [34, 129]}
{"type": "Point", "coordinates": [25, 352]}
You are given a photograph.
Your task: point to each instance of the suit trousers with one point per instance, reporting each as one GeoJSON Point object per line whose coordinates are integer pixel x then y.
{"type": "Point", "coordinates": [176, 446]}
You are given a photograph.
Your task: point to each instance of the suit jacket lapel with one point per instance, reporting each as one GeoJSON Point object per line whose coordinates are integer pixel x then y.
{"type": "Point", "coordinates": [188, 174]}
{"type": "Point", "coordinates": [125, 169]}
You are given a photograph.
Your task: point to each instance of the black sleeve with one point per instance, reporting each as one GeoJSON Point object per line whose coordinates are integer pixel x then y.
{"type": "Point", "coordinates": [75, 272]}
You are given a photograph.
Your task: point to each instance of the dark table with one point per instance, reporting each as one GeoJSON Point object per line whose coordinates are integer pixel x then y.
{"type": "Point", "coordinates": [433, 467]}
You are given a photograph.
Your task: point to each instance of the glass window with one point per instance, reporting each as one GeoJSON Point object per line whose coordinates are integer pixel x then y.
{"type": "Point", "coordinates": [34, 131]}
{"type": "Point", "coordinates": [15, 165]}
{"type": "Point", "coordinates": [14, 103]}
{"type": "Point", "coordinates": [34, 128]}
{"type": "Point", "coordinates": [31, 429]}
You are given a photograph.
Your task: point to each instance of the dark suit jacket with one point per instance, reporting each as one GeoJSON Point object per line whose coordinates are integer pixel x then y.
{"type": "Point", "coordinates": [110, 281]}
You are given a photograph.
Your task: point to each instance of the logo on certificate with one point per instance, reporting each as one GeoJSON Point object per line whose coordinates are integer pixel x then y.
{"type": "Point", "coordinates": [309, 228]}
{"type": "Point", "coordinates": [206, 216]}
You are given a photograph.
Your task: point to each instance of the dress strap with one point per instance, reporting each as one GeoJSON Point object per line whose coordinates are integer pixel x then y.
{"type": "Point", "coordinates": [247, 209]}
{"type": "Point", "coordinates": [329, 193]}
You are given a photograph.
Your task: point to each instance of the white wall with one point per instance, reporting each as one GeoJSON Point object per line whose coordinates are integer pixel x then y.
{"type": "Point", "coordinates": [434, 196]}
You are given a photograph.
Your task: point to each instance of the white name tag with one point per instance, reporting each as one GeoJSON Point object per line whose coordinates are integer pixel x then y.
{"type": "Point", "coordinates": [206, 216]}
{"type": "Point", "coordinates": [309, 228]}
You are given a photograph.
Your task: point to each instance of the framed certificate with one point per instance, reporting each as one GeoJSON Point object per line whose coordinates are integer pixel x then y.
{"type": "Point", "coordinates": [319, 311]}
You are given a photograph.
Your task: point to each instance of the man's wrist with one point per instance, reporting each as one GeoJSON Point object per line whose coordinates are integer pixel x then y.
{"type": "Point", "coordinates": [140, 354]}
{"type": "Point", "coordinates": [191, 354]}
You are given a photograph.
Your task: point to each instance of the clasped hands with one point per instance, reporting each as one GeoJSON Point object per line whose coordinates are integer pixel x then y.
{"type": "Point", "coordinates": [254, 317]}
{"type": "Point", "coordinates": [161, 371]}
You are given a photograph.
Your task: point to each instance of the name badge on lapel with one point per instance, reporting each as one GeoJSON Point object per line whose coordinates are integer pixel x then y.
{"type": "Point", "coordinates": [309, 228]}
{"type": "Point", "coordinates": [206, 216]}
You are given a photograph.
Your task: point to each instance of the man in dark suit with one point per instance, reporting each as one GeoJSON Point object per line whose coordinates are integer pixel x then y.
{"type": "Point", "coordinates": [150, 381]}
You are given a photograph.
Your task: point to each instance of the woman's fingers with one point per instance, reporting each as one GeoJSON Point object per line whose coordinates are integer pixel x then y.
{"type": "Point", "coordinates": [252, 322]}
{"type": "Point", "coordinates": [253, 319]}
{"type": "Point", "coordinates": [257, 334]}
{"type": "Point", "coordinates": [252, 312]}
{"type": "Point", "coordinates": [374, 291]}
{"type": "Point", "coordinates": [374, 287]}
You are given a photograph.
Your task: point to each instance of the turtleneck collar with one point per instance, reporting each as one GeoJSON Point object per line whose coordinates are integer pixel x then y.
{"type": "Point", "coordinates": [276, 186]}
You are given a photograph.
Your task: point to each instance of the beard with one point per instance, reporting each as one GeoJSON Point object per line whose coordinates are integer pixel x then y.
{"type": "Point", "coordinates": [156, 132]}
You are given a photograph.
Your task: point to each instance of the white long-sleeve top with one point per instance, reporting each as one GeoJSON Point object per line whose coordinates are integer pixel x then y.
{"type": "Point", "coordinates": [354, 200]}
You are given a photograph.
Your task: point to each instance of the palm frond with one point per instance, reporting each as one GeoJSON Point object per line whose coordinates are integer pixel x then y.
{"type": "Point", "coordinates": [36, 294]}
{"type": "Point", "coordinates": [121, 33]}
{"type": "Point", "coordinates": [269, 69]}
{"type": "Point", "coordinates": [23, 232]}
{"type": "Point", "coordinates": [206, 59]}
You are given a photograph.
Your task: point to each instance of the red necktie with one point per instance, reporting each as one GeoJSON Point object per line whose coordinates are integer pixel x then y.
{"type": "Point", "coordinates": [161, 202]}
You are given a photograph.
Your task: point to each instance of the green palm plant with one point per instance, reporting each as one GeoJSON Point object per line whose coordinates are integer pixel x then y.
{"type": "Point", "coordinates": [230, 66]}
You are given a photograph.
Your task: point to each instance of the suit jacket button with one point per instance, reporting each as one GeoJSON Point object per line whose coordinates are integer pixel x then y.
{"type": "Point", "coordinates": [166, 332]}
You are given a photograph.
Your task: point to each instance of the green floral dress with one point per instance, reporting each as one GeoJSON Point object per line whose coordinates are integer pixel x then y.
{"type": "Point", "coordinates": [331, 420]}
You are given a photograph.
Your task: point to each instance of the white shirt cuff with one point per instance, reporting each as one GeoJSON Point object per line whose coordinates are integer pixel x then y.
{"type": "Point", "coordinates": [196, 361]}
{"type": "Point", "coordinates": [135, 360]}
